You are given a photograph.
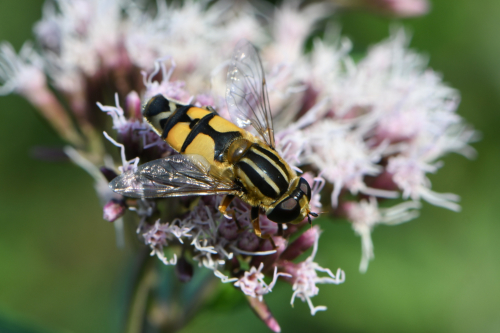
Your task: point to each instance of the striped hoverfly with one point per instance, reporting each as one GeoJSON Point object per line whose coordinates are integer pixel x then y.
{"type": "Point", "coordinates": [220, 157]}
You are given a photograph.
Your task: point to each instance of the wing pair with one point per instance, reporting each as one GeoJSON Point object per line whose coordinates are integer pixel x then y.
{"type": "Point", "coordinates": [182, 175]}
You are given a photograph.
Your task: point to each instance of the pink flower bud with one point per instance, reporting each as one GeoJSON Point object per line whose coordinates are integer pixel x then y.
{"type": "Point", "coordinates": [114, 209]}
{"type": "Point", "coordinates": [133, 105]}
{"type": "Point", "coordinates": [228, 229]}
{"type": "Point", "coordinates": [248, 241]}
{"type": "Point", "coordinates": [262, 311]}
{"type": "Point", "coordinates": [301, 244]}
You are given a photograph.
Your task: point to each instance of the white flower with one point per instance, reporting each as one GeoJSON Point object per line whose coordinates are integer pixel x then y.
{"type": "Point", "coordinates": [126, 164]}
{"type": "Point", "coordinates": [343, 158]}
{"type": "Point", "coordinates": [252, 282]}
{"type": "Point", "coordinates": [305, 278]}
{"type": "Point", "coordinates": [158, 235]}
{"type": "Point", "coordinates": [170, 89]}
{"type": "Point", "coordinates": [22, 74]}
{"type": "Point", "coordinates": [365, 215]}
{"type": "Point", "coordinates": [409, 174]}
{"type": "Point", "coordinates": [291, 26]}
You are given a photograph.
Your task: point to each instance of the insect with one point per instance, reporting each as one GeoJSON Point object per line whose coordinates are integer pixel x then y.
{"type": "Point", "coordinates": [220, 157]}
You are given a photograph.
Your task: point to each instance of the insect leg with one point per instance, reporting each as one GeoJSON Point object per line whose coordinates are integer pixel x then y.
{"type": "Point", "coordinates": [254, 215]}
{"type": "Point", "coordinates": [280, 229]}
{"type": "Point", "coordinates": [225, 203]}
{"type": "Point", "coordinates": [223, 208]}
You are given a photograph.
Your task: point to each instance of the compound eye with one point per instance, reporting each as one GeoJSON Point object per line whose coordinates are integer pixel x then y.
{"type": "Point", "coordinates": [286, 211]}
{"type": "Point", "coordinates": [305, 188]}
{"type": "Point", "coordinates": [288, 204]}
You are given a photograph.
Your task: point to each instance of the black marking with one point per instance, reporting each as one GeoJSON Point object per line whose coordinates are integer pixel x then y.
{"type": "Point", "coordinates": [196, 129]}
{"type": "Point", "coordinates": [272, 155]}
{"type": "Point", "coordinates": [269, 169]}
{"type": "Point", "coordinates": [257, 180]}
{"type": "Point", "coordinates": [280, 214]}
{"type": "Point", "coordinates": [155, 106]}
{"type": "Point", "coordinates": [193, 122]}
{"type": "Point", "coordinates": [179, 116]}
{"type": "Point", "coordinates": [222, 140]}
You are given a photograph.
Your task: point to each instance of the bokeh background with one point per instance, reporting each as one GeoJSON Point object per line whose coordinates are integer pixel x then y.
{"type": "Point", "coordinates": [61, 271]}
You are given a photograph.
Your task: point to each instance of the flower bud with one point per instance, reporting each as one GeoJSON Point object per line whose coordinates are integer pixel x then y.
{"type": "Point", "coordinates": [248, 241]}
{"type": "Point", "coordinates": [228, 229]}
{"type": "Point", "coordinates": [262, 311]}
{"type": "Point", "coordinates": [301, 244]}
{"type": "Point", "coordinates": [133, 105]}
{"type": "Point", "coordinates": [114, 209]}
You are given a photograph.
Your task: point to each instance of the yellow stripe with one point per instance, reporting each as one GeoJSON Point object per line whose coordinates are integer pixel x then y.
{"type": "Point", "coordinates": [178, 135]}
{"type": "Point", "coordinates": [221, 125]}
{"type": "Point", "coordinates": [263, 175]}
{"type": "Point", "coordinates": [202, 145]}
{"type": "Point", "coordinates": [255, 192]}
{"type": "Point", "coordinates": [283, 172]}
{"type": "Point", "coordinates": [197, 113]}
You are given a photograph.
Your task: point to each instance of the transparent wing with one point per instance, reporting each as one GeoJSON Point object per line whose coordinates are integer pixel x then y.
{"type": "Point", "coordinates": [174, 176]}
{"type": "Point", "coordinates": [246, 92]}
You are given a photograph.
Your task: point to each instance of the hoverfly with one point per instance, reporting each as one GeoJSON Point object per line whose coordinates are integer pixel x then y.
{"type": "Point", "coordinates": [220, 157]}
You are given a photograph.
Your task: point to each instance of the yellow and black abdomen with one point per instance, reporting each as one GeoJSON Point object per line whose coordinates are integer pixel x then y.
{"type": "Point", "coordinates": [191, 130]}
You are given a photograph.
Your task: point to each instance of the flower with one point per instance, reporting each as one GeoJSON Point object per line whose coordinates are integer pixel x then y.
{"type": "Point", "coordinates": [398, 8]}
{"type": "Point", "coordinates": [304, 277]}
{"type": "Point", "coordinates": [252, 282]}
{"type": "Point", "coordinates": [114, 209]}
{"type": "Point", "coordinates": [366, 130]}
{"type": "Point", "coordinates": [365, 215]}
{"type": "Point", "coordinates": [158, 235]}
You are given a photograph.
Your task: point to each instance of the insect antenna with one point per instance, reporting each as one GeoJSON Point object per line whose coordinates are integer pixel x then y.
{"type": "Point", "coordinates": [309, 217]}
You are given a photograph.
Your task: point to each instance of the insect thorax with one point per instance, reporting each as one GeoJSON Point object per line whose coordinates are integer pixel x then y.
{"type": "Point", "coordinates": [262, 172]}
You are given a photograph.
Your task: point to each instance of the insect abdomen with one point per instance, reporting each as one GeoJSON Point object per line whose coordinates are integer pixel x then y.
{"type": "Point", "coordinates": [191, 130]}
{"type": "Point", "coordinates": [261, 169]}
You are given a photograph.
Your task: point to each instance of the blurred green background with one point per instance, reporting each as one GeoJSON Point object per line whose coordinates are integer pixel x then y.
{"type": "Point", "coordinates": [62, 272]}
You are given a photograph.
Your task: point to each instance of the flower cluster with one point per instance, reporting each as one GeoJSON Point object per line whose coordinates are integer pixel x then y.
{"type": "Point", "coordinates": [366, 131]}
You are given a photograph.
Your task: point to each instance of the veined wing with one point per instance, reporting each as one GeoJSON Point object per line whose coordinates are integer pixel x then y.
{"type": "Point", "coordinates": [174, 176]}
{"type": "Point", "coordinates": [246, 93]}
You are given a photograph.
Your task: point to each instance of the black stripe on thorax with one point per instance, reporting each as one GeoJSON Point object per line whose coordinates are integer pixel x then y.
{"type": "Point", "coordinates": [269, 168]}
{"type": "Point", "coordinates": [179, 116]}
{"type": "Point", "coordinates": [257, 180]}
{"type": "Point", "coordinates": [222, 140]}
{"type": "Point", "coordinates": [272, 156]}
